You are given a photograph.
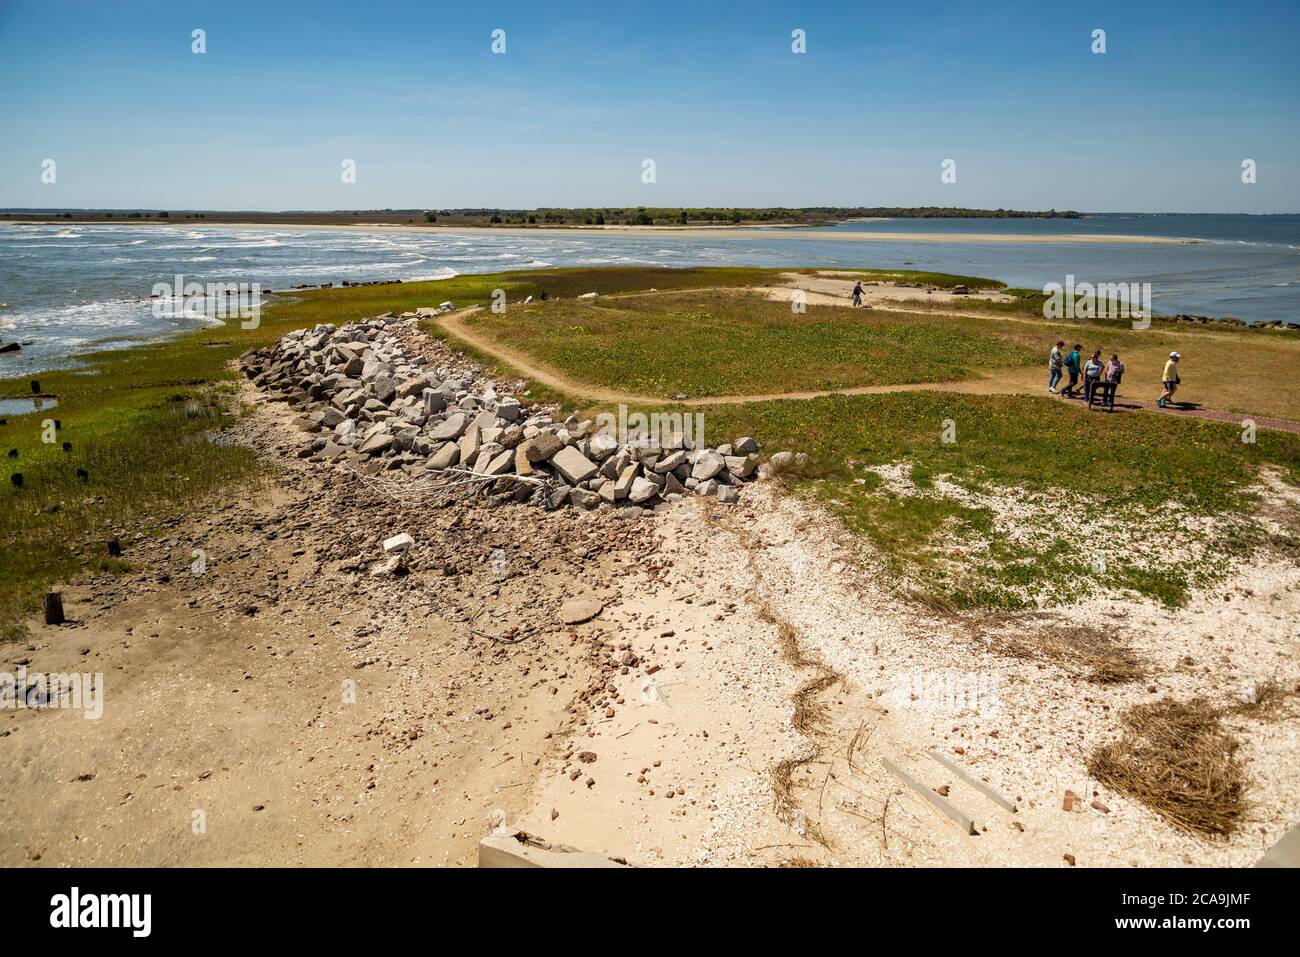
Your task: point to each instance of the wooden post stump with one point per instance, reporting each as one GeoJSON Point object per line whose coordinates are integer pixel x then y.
{"type": "Point", "coordinates": [54, 608]}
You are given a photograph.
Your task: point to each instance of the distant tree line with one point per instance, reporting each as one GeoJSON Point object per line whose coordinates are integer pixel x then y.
{"type": "Point", "coordinates": [706, 215]}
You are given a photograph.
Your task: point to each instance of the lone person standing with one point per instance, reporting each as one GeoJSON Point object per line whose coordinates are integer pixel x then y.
{"type": "Point", "coordinates": [1171, 380]}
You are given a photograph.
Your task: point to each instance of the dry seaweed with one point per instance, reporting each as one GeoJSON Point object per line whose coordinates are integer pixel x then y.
{"type": "Point", "coordinates": [1178, 760]}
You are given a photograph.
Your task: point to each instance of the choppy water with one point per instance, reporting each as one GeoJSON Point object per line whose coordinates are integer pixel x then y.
{"type": "Point", "coordinates": [67, 290]}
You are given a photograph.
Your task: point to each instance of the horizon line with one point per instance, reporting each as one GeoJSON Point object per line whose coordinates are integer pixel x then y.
{"type": "Point", "coordinates": [525, 209]}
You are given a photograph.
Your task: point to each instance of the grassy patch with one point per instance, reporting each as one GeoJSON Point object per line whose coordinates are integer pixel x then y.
{"type": "Point", "coordinates": [913, 531]}
{"type": "Point", "coordinates": [140, 454]}
{"type": "Point", "coordinates": [1009, 441]}
{"type": "Point", "coordinates": [1214, 356]}
{"type": "Point", "coordinates": [728, 343]}
{"type": "Point", "coordinates": [1131, 469]}
{"type": "Point", "coordinates": [341, 305]}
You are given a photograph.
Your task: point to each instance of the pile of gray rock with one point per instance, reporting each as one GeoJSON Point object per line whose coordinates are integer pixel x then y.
{"type": "Point", "coordinates": [367, 399]}
{"type": "Point", "coordinates": [1232, 321]}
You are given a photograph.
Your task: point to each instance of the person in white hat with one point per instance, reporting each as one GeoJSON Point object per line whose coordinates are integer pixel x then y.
{"type": "Point", "coordinates": [1171, 380]}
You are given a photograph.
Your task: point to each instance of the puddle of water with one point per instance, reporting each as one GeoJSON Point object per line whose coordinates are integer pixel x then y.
{"type": "Point", "coordinates": [26, 406]}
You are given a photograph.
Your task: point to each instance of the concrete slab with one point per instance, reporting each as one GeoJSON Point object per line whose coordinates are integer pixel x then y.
{"type": "Point", "coordinates": [943, 805]}
{"type": "Point", "coordinates": [1285, 853]}
{"type": "Point", "coordinates": [998, 799]}
{"type": "Point", "coordinates": [520, 849]}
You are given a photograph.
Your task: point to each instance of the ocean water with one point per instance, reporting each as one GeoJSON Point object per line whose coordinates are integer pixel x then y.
{"type": "Point", "coordinates": [68, 290]}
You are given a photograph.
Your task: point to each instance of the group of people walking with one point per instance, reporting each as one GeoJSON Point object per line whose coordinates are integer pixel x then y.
{"type": "Point", "coordinates": [1094, 372]}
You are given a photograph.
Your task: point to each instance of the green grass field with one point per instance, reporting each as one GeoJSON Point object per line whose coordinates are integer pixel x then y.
{"type": "Point", "coordinates": [738, 343]}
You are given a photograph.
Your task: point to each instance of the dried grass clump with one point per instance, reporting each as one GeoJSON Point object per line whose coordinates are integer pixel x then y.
{"type": "Point", "coordinates": [1101, 654]}
{"type": "Point", "coordinates": [934, 603]}
{"type": "Point", "coordinates": [1177, 759]}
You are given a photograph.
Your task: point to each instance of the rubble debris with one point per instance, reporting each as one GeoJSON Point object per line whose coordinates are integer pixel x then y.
{"type": "Point", "coordinates": [365, 399]}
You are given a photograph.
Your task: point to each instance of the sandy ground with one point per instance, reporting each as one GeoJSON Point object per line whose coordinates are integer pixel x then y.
{"type": "Point", "coordinates": [687, 765]}
{"type": "Point", "coordinates": [751, 669]}
{"type": "Point", "coordinates": [284, 706]}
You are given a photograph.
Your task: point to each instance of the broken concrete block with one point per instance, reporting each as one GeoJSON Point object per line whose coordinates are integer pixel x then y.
{"type": "Point", "coordinates": [398, 543]}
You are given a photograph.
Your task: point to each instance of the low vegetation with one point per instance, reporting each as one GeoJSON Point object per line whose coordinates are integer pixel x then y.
{"type": "Point", "coordinates": [739, 343]}
{"type": "Point", "coordinates": [1090, 499]}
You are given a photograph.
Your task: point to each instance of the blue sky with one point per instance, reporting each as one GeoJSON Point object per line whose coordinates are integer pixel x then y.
{"type": "Point", "coordinates": [711, 91]}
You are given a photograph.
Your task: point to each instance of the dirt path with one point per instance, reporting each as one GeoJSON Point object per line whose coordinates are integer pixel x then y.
{"type": "Point", "coordinates": [1010, 381]}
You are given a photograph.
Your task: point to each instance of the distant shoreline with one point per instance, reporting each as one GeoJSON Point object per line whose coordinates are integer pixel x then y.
{"type": "Point", "coordinates": [773, 231]}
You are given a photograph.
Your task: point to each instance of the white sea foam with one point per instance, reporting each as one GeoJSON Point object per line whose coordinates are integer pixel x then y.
{"type": "Point", "coordinates": [51, 275]}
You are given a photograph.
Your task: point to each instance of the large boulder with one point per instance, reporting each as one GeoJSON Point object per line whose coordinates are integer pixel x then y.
{"type": "Point", "coordinates": [522, 465]}
{"type": "Point", "coordinates": [573, 465]}
{"type": "Point", "coordinates": [449, 428]}
{"type": "Point", "coordinates": [642, 490]}
{"type": "Point", "coordinates": [500, 463]}
{"type": "Point", "coordinates": [385, 387]}
{"type": "Point", "coordinates": [434, 402]}
{"type": "Point", "coordinates": [707, 465]}
{"type": "Point", "coordinates": [741, 466]}
{"type": "Point", "coordinates": [670, 462]}
{"type": "Point", "coordinates": [377, 443]}
{"type": "Point", "coordinates": [623, 484]}
{"type": "Point", "coordinates": [543, 447]}
{"type": "Point", "coordinates": [470, 443]}
{"type": "Point", "coordinates": [414, 386]}
{"type": "Point", "coordinates": [445, 457]}
{"type": "Point", "coordinates": [602, 446]}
